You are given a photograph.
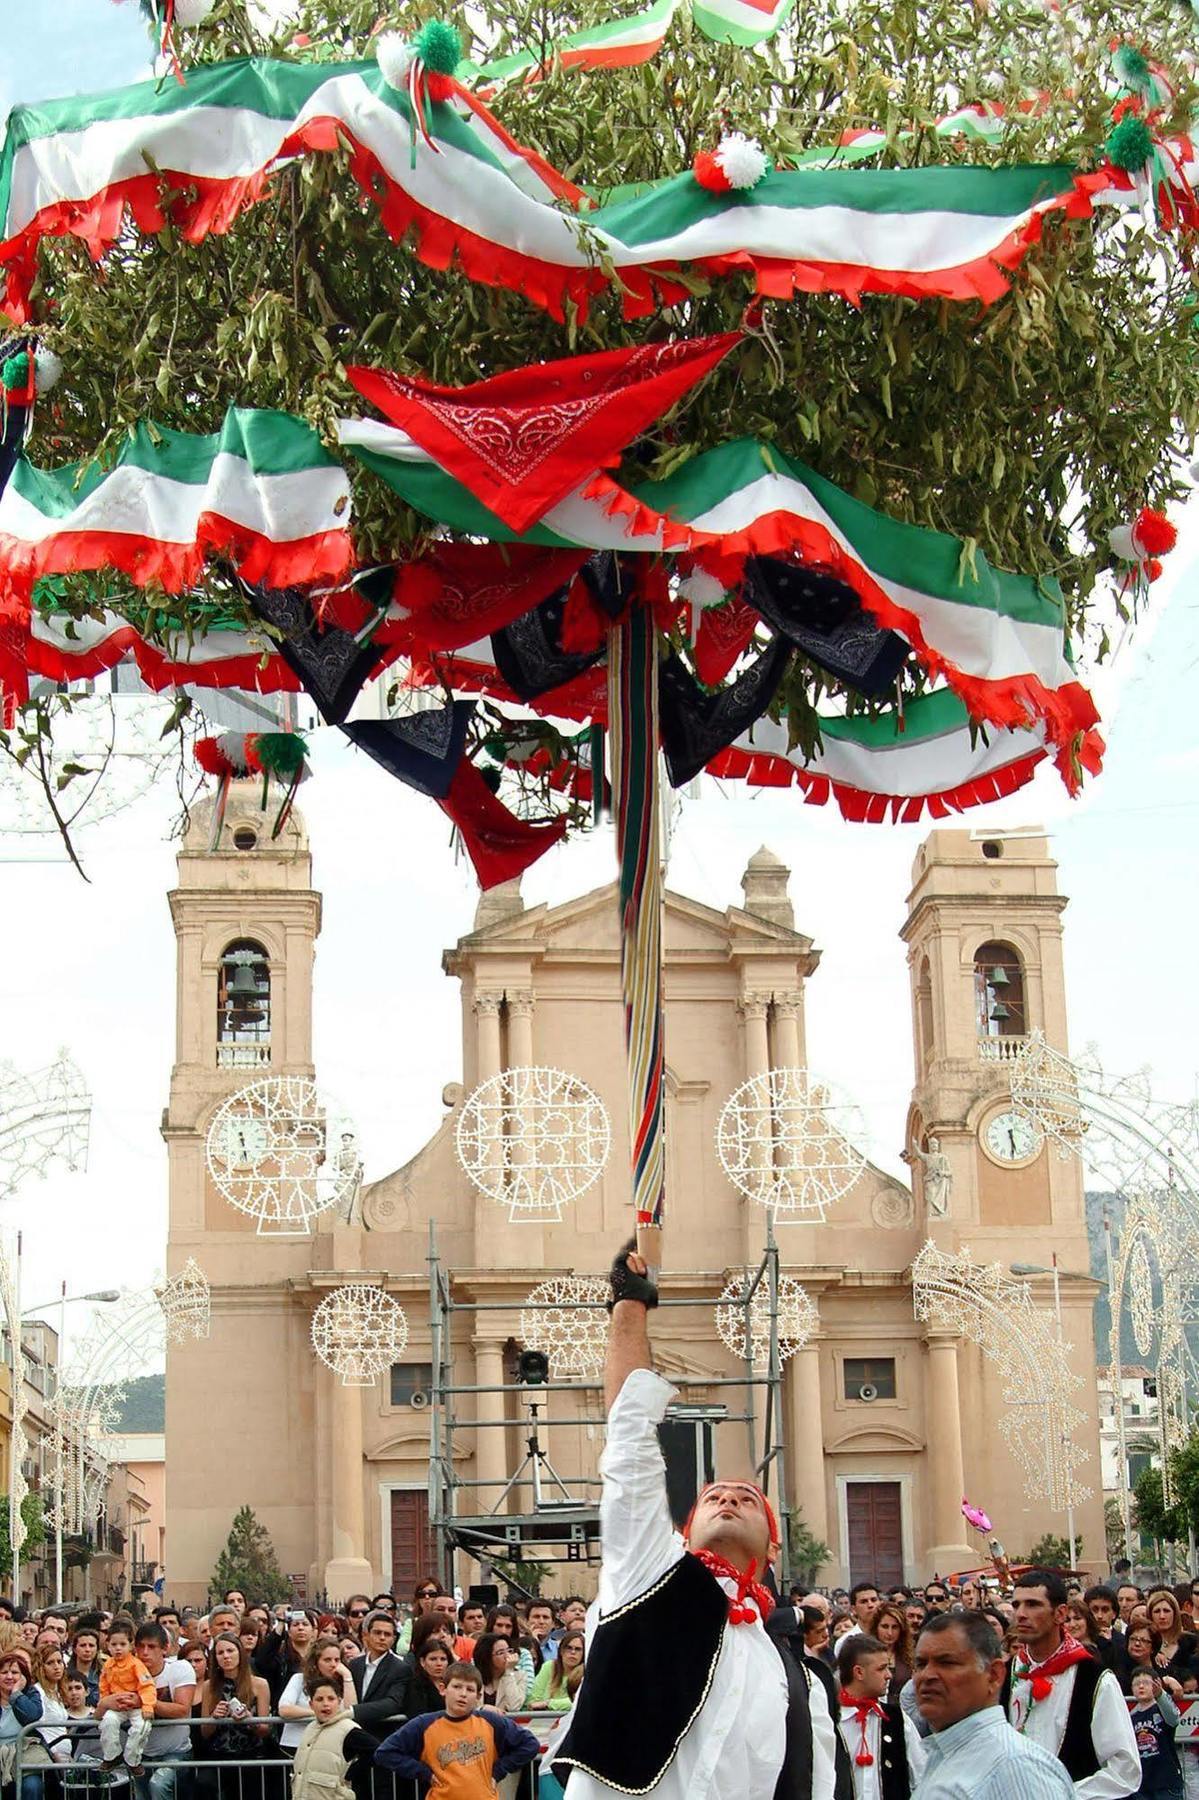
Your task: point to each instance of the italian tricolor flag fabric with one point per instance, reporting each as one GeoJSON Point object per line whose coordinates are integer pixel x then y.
{"type": "Point", "coordinates": [262, 493]}
{"type": "Point", "coordinates": [997, 639]}
{"type": "Point", "coordinates": [87, 166]}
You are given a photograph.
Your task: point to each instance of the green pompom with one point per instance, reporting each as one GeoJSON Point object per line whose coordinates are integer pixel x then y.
{"type": "Point", "coordinates": [280, 753]}
{"type": "Point", "coordinates": [439, 46]}
{"type": "Point", "coordinates": [1130, 145]}
{"type": "Point", "coordinates": [1132, 66]}
{"type": "Point", "coordinates": [15, 372]}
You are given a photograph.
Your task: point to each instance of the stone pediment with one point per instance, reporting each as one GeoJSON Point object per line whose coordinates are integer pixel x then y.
{"type": "Point", "coordinates": [590, 924]}
{"type": "Point", "coordinates": [865, 1439]}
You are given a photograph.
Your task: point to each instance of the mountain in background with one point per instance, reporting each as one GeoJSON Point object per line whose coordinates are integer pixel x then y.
{"type": "Point", "coordinates": [143, 1404]}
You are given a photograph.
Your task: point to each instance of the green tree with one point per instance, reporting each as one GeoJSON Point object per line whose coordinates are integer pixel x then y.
{"type": "Point", "coordinates": [35, 1530]}
{"type": "Point", "coordinates": [248, 1561]}
{"type": "Point", "coordinates": [1151, 1515]}
{"type": "Point", "coordinates": [808, 1552]}
{"type": "Point", "coordinates": [528, 1576]}
{"type": "Point", "coordinates": [1053, 1552]}
{"type": "Point", "coordinates": [1028, 428]}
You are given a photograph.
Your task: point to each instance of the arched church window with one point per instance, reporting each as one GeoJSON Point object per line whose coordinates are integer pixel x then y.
{"type": "Point", "coordinates": [243, 1019]}
{"type": "Point", "coordinates": [999, 997]}
{"type": "Point", "coordinates": [924, 1012]}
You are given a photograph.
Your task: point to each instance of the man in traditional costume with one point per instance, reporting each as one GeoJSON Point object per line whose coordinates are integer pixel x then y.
{"type": "Point", "coordinates": [685, 1696]}
{"type": "Point", "coordinates": [1058, 1694]}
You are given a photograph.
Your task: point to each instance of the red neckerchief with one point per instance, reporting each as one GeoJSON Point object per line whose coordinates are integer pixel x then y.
{"type": "Point", "coordinates": [1040, 1675]}
{"type": "Point", "coordinates": [747, 1588]}
{"type": "Point", "coordinates": [862, 1710]}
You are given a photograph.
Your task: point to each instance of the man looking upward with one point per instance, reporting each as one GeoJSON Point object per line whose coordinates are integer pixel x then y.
{"type": "Point", "coordinates": [729, 1716]}
{"type": "Point", "coordinates": [1059, 1695]}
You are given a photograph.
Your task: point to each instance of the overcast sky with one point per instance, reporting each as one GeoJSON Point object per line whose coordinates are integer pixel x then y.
{"type": "Point", "coordinates": [93, 966]}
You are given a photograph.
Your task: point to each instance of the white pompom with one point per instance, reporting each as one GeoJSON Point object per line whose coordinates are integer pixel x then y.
{"type": "Point", "coordinates": [47, 371]}
{"type": "Point", "coordinates": [394, 55]}
{"type": "Point", "coordinates": [189, 13]}
{"type": "Point", "coordinates": [1123, 544]}
{"type": "Point", "coordinates": [1195, 471]}
{"type": "Point", "coordinates": [742, 159]}
{"type": "Point", "coordinates": [702, 589]}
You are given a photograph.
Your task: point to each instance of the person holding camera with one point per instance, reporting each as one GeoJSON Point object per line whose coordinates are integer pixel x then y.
{"type": "Point", "coordinates": [234, 1699]}
{"type": "Point", "coordinates": [281, 1653]}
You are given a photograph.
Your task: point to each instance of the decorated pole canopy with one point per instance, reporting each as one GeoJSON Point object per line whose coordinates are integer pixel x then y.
{"type": "Point", "coordinates": [794, 395]}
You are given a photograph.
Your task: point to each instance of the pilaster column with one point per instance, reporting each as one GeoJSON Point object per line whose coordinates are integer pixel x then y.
{"type": "Point", "coordinates": [487, 1035]}
{"type": "Point", "coordinates": [520, 1030]}
{"type": "Point", "coordinates": [948, 1550]}
{"type": "Point", "coordinates": [491, 1453]}
{"type": "Point", "coordinates": [755, 1031]}
{"type": "Point", "coordinates": [347, 1569]}
{"type": "Point", "coordinates": [806, 1436]}
{"type": "Point", "coordinates": [785, 1033]}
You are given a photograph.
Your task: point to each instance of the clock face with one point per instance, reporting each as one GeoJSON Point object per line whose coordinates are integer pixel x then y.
{"type": "Point", "coordinates": [244, 1142]}
{"type": "Point", "coordinates": [1010, 1138]}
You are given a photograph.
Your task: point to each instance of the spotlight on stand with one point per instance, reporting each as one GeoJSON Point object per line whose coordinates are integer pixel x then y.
{"type": "Point", "coordinates": [533, 1368]}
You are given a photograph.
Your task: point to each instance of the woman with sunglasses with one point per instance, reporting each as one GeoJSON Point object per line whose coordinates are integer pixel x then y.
{"type": "Point", "coordinates": [357, 1607]}
{"type": "Point", "coordinates": [423, 1596]}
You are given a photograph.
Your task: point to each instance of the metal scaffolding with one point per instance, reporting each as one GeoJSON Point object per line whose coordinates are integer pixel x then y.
{"type": "Point", "coordinates": [539, 1514]}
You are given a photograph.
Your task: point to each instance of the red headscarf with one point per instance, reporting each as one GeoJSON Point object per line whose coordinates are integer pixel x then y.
{"type": "Point", "coordinates": [747, 1587]}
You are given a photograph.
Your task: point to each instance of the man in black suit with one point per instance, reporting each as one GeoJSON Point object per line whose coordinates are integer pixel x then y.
{"type": "Point", "coordinates": [379, 1676]}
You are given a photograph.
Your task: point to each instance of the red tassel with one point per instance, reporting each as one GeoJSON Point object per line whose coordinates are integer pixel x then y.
{"type": "Point", "coordinates": [709, 174]}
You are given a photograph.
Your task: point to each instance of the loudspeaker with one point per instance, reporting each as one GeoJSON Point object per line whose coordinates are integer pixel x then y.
{"type": "Point", "coordinates": [688, 1445]}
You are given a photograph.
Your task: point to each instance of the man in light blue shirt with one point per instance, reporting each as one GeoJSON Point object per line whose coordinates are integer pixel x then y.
{"type": "Point", "coordinates": [973, 1753]}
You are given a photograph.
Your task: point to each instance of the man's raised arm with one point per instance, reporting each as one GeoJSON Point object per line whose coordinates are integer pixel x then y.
{"type": "Point", "coordinates": [628, 1336]}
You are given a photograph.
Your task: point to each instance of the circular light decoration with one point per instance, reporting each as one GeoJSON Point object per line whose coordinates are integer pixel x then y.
{"type": "Point", "coordinates": [566, 1318]}
{"type": "Point", "coordinates": [533, 1139]}
{"type": "Point", "coordinates": [789, 1140]}
{"type": "Point", "coordinates": [117, 745]}
{"type": "Point", "coordinates": [797, 1318]}
{"type": "Point", "coordinates": [358, 1331]}
{"type": "Point", "coordinates": [272, 1152]}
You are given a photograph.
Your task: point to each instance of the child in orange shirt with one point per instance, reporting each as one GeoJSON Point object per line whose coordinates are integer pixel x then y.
{"type": "Point", "coordinates": [461, 1753]}
{"type": "Point", "coordinates": [126, 1693]}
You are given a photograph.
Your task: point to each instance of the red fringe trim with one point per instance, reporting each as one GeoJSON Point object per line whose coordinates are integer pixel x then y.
{"type": "Point", "coordinates": [1015, 701]}
{"type": "Point", "coordinates": [765, 769]}
{"type": "Point", "coordinates": [173, 567]}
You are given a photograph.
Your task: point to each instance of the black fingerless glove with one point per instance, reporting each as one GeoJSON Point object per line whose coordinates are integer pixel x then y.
{"type": "Point", "coordinates": [626, 1284]}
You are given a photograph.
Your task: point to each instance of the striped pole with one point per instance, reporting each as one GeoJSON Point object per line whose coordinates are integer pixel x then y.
{"type": "Point", "coordinates": [633, 728]}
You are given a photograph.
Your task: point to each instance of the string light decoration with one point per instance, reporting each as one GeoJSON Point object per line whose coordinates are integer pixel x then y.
{"type": "Point", "coordinates": [186, 1302]}
{"type": "Point", "coordinates": [982, 1303]}
{"type": "Point", "coordinates": [1155, 1273]}
{"type": "Point", "coordinates": [358, 1331]}
{"type": "Point", "coordinates": [1140, 1296]}
{"type": "Point", "coordinates": [789, 1140]}
{"type": "Point", "coordinates": [798, 1317]}
{"type": "Point", "coordinates": [534, 1140]}
{"type": "Point", "coordinates": [115, 743]}
{"type": "Point", "coordinates": [45, 1120]}
{"type": "Point", "coordinates": [566, 1318]}
{"type": "Point", "coordinates": [273, 1151]}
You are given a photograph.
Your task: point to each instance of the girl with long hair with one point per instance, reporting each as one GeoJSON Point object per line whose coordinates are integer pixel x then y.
{"type": "Point", "coordinates": [557, 1681]}
{"type": "Point", "coordinates": [234, 1698]}
{"type": "Point", "coordinates": [87, 1660]}
{"type": "Point", "coordinates": [890, 1627]}
{"type": "Point", "coordinates": [323, 1659]}
{"type": "Point", "coordinates": [504, 1683]}
{"type": "Point", "coordinates": [1165, 1616]}
{"type": "Point", "coordinates": [425, 1690]}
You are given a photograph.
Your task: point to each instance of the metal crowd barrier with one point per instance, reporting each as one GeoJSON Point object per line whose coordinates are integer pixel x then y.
{"type": "Point", "coordinates": [193, 1777]}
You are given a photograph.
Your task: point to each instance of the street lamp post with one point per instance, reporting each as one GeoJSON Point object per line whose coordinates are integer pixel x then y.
{"type": "Point", "coordinates": [103, 1297]}
{"type": "Point", "coordinates": [1037, 1269]}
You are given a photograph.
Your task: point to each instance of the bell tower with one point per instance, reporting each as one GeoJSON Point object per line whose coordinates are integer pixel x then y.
{"type": "Point", "coordinates": [984, 937]}
{"type": "Point", "coordinates": [246, 919]}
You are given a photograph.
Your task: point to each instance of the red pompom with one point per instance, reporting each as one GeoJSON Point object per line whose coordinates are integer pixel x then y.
{"type": "Point", "coordinates": [863, 1759]}
{"type": "Point", "coordinates": [211, 757]}
{"type": "Point", "coordinates": [418, 586]}
{"type": "Point", "coordinates": [1153, 569]}
{"type": "Point", "coordinates": [1153, 532]}
{"type": "Point", "coordinates": [709, 174]}
{"type": "Point", "coordinates": [439, 87]}
{"type": "Point", "coordinates": [250, 756]}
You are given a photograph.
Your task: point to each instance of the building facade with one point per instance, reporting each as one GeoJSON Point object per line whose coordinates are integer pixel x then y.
{"type": "Point", "coordinates": [887, 1422]}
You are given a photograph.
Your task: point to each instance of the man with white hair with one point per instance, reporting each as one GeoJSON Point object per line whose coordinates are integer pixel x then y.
{"type": "Point", "coordinates": [726, 1714]}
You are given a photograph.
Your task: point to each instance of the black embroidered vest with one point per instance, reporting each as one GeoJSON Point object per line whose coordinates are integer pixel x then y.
{"type": "Point", "coordinates": [1077, 1751]}
{"type": "Point", "coordinates": [678, 1624]}
{"type": "Point", "coordinates": [893, 1775]}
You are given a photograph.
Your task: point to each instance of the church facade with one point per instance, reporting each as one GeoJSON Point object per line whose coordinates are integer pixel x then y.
{"type": "Point", "coordinates": [886, 1421]}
